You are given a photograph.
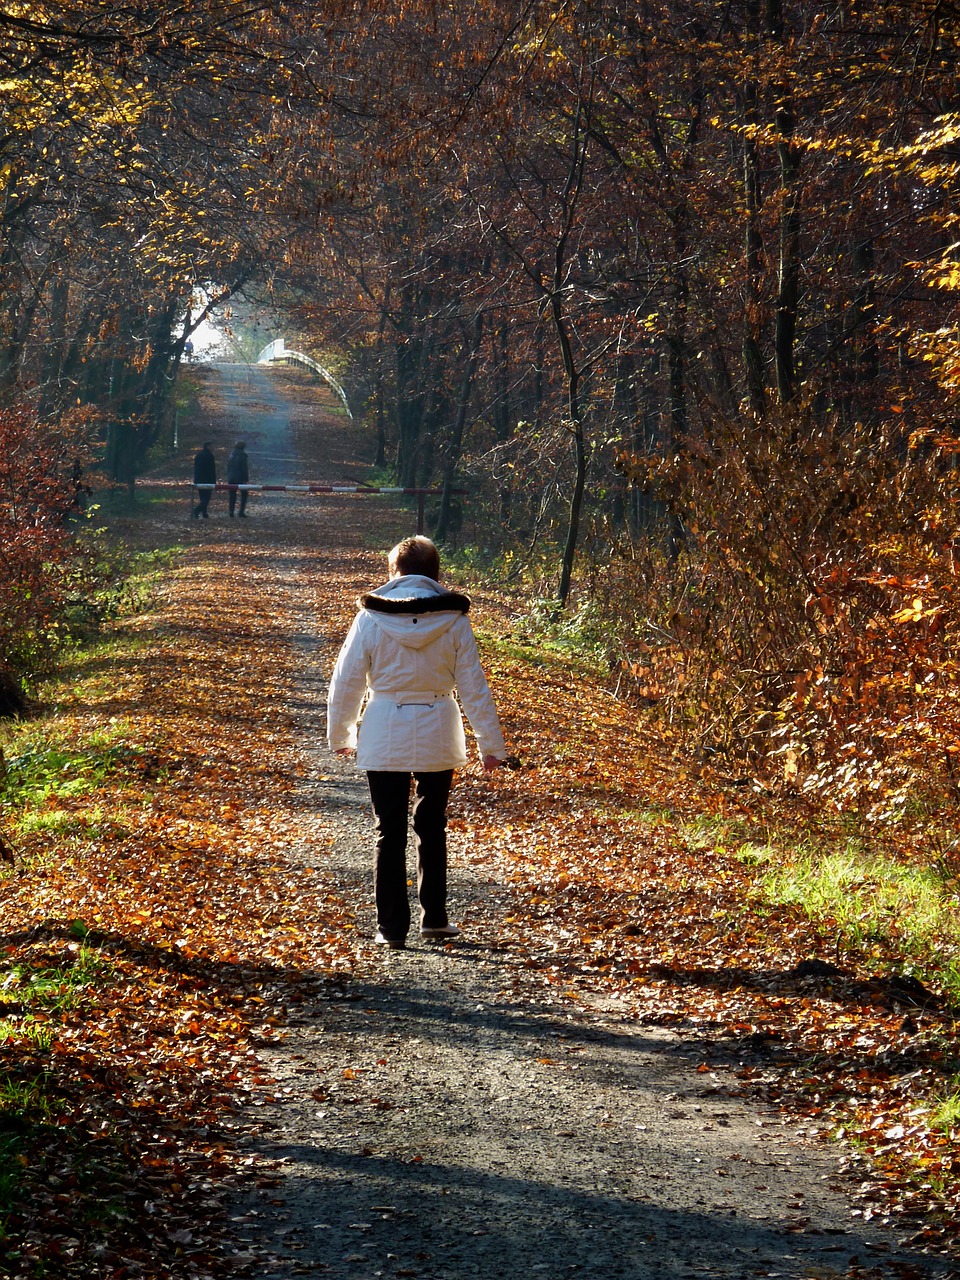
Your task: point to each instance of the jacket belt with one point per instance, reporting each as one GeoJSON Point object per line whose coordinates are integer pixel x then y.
{"type": "Point", "coordinates": [414, 698]}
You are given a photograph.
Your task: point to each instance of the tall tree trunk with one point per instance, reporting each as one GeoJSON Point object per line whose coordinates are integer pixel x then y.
{"type": "Point", "coordinates": [455, 444]}
{"type": "Point", "coordinates": [570, 199]}
{"type": "Point", "coordinates": [20, 323]}
{"type": "Point", "coordinates": [646, 509]}
{"type": "Point", "coordinates": [677, 335]}
{"type": "Point", "coordinates": [753, 243]}
{"type": "Point", "coordinates": [501, 410]}
{"type": "Point", "coordinates": [157, 380]}
{"type": "Point", "coordinates": [788, 283]}
{"type": "Point", "coordinates": [55, 354]}
{"type": "Point", "coordinates": [413, 363]}
{"type": "Point", "coordinates": [579, 452]}
{"type": "Point", "coordinates": [379, 397]}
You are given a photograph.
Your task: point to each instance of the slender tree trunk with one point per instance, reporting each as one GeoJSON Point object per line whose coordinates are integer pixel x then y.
{"type": "Point", "coordinates": [677, 337]}
{"type": "Point", "coordinates": [79, 344]}
{"type": "Point", "coordinates": [625, 411]}
{"type": "Point", "coordinates": [379, 397]}
{"type": "Point", "coordinates": [753, 243]}
{"type": "Point", "coordinates": [20, 325]}
{"type": "Point", "coordinates": [502, 420]}
{"type": "Point", "coordinates": [579, 451]}
{"type": "Point", "coordinates": [788, 284]}
{"type": "Point", "coordinates": [157, 380]}
{"type": "Point", "coordinates": [646, 509]}
{"type": "Point", "coordinates": [455, 447]}
{"type": "Point", "coordinates": [413, 363]}
{"type": "Point", "coordinates": [788, 289]}
{"type": "Point", "coordinates": [55, 354]}
{"type": "Point", "coordinates": [571, 195]}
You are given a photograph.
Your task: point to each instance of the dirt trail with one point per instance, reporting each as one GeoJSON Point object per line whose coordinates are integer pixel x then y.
{"type": "Point", "coordinates": [444, 1112]}
{"type": "Point", "coordinates": [262, 418]}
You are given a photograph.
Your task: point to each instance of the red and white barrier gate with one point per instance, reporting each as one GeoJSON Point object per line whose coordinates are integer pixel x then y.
{"type": "Point", "coordinates": [419, 494]}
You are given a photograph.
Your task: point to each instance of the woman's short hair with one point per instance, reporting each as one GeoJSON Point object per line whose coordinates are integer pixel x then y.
{"type": "Point", "coordinates": [415, 555]}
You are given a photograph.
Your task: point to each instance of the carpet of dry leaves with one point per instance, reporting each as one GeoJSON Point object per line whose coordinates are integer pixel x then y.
{"type": "Point", "coordinates": [169, 882]}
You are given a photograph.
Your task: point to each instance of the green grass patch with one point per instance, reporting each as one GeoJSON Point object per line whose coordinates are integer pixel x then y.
{"type": "Point", "coordinates": [26, 1101]}
{"type": "Point", "coordinates": [49, 791]}
{"type": "Point", "coordinates": [87, 672]}
{"type": "Point", "coordinates": [35, 1148]}
{"type": "Point", "coordinates": [69, 828]}
{"type": "Point", "coordinates": [714, 831]}
{"type": "Point", "coordinates": [905, 915]}
{"type": "Point", "coordinates": [106, 581]}
{"type": "Point", "coordinates": [120, 502]}
{"type": "Point", "coordinates": [125, 581]}
{"type": "Point", "coordinates": [872, 900]}
{"type": "Point", "coordinates": [581, 633]}
{"type": "Point", "coordinates": [537, 653]}
{"type": "Point", "coordinates": [56, 824]}
{"type": "Point", "coordinates": [53, 775]}
{"type": "Point", "coordinates": [751, 854]}
{"type": "Point", "coordinates": [513, 650]}
{"type": "Point", "coordinates": [38, 1035]}
{"type": "Point", "coordinates": [59, 986]}
{"type": "Point", "coordinates": [44, 765]}
{"type": "Point", "coordinates": [651, 818]}
{"type": "Point", "coordinates": [946, 1114]}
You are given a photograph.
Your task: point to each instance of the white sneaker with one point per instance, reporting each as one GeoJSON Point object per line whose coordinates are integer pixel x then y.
{"type": "Point", "coordinates": [444, 933]}
{"type": "Point", "coordinates": [395, 944]}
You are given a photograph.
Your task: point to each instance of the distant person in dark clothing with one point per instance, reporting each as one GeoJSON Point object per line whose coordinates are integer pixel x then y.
{"type": "Point", "coordinates": [238, 472]}
{"type": "Point", "coordinates": [204, 473]}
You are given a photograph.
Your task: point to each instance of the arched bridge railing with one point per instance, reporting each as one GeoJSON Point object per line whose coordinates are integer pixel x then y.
{"type": "Point", "coordinates": [278, 351]}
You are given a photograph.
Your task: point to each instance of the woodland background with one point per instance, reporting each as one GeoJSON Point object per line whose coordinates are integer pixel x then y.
{"type": "Point", "coordinates": [670, 288]}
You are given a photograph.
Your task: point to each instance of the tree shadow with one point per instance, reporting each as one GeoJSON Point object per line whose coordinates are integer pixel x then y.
{"type": "Point", "coordinates": [410, 1214]}
{"type": "Point", "coordinates": [896, 992]}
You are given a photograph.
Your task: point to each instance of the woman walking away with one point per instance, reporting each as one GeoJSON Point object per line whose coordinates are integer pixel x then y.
{"type": "Point", "coordinates": [410, 648]}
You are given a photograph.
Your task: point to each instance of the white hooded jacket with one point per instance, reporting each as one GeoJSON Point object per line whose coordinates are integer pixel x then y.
{"type": "Point", "coordinates": [409, 648]}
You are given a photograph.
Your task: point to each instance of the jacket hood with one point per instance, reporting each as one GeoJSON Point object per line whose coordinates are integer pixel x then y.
{"type": "Point", "coordinates": [414, 610]}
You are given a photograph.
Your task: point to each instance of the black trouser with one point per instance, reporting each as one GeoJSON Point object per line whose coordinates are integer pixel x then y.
{"type": "Point", "coordinates": [244, 494]}
{"type": "Point", "coordinates": [203, 501]}
{"type": "Point", "coordinates": [390, 795]}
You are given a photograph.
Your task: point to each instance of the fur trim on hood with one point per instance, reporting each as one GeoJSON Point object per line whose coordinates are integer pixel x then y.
{"type": "Point", "coordinates": [445, 602]}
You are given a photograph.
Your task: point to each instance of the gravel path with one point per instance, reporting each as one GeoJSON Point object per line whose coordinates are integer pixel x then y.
{"type": "Point", "coordinates": [262, 420]}
{"type": "Point", "coordinates": [427, 1120]}
{"type": "Point", "coordinates": [445, 1113]}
